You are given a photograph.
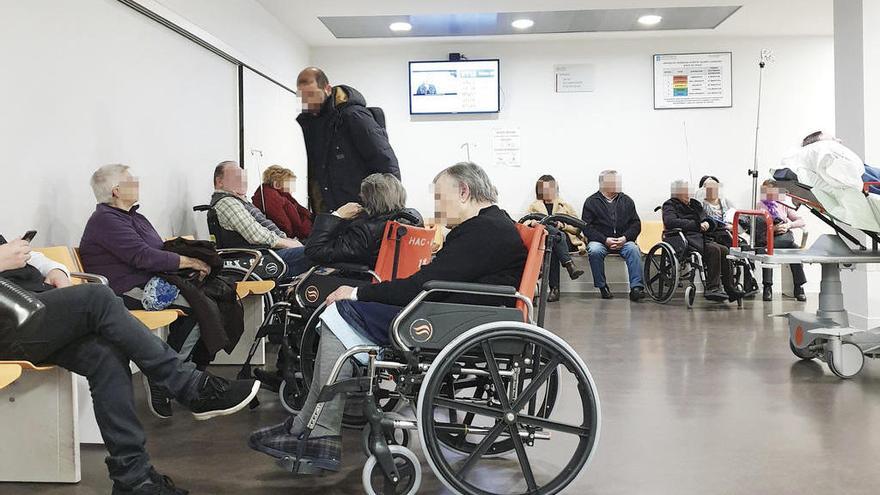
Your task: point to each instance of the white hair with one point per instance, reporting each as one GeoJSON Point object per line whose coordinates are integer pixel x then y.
{"type": "Point", "coordinates": [678, 185]}
{"type": "Point", "coordinates": [105, 179]}
{"type": "Point", "coordinates": [607, 173]}
{"type": "Point", "coordinates": [478, 182]}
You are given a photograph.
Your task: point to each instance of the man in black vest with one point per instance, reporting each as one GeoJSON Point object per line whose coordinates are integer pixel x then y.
{"type": "Point", "coordinates": [87, 330]}
{"type": "Point", "coordinates": [344, 142]}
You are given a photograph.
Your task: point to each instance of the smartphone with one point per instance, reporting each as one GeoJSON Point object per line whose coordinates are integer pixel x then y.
{"type": "Point", "coordinates": [29, 235]}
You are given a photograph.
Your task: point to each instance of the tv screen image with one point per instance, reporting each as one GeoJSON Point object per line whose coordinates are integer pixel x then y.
{"type": "Point", "coordinates": [467, 86]}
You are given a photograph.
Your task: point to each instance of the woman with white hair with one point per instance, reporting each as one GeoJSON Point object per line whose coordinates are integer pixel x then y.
{"type": "Point", "coordinates": [483, 247]}
{"type": "Point", "coordinates": [122, 245]}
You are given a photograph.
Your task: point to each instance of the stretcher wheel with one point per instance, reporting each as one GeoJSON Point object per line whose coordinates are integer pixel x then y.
{"type": "Point", "coordinates": [804, 354]}
{"type": "Point", "coordinates": [661, 272]}
{"type": "Point", "coordinates": [400, 437]}
{"type": "Point", "coordinates": [506, 349]}
{"type": "Point", "coordinates": [408, 468]}
{"type": "Point", "coordinates": [690, 295]}
{"type": "Point", "coordinates": [851, 358]}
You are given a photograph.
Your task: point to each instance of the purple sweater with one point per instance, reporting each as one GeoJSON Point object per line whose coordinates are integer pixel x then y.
{"type": "Point", "coordinates": [124, 247]}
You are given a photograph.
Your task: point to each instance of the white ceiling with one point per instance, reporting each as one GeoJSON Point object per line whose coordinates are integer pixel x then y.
{"type": "Point", "coordinates": [755, 18]}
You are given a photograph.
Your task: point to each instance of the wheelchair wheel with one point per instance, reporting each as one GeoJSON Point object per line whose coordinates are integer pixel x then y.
{"type": "Point", "coordinates": [292, 398]}
{"type": "Point", "coordinates": [690, 295]}
{"type": "Point", "coordinates": [661, 272]}
{"type": "Point", "coordinates": [408, 468]}
{"type": "Point", "coordinates": [519, 360]}
{"type": "Point", "coordinates": [400, 437]}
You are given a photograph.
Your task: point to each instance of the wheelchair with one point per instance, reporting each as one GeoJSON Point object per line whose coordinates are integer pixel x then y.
{"type": "Point", "coordinates": [485, 383]}
{"type": "Point", "coordinates": [666, 270]}
{"type": "Point", "coordinates": [292, 322]}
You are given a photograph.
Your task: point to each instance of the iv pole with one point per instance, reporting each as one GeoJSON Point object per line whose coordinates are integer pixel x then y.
{"type": "Point", "coordinates": [766, 58]}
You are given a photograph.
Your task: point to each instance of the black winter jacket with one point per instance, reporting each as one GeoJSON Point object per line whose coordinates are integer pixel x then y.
{"type": "Point", "coordinates": [615, 219]}
{"type": "Point", "coordinates": [334, 240]}
{"type": "Point", "coordinates": [687, 217]}
{"type": "Point", "coordinates": [485, 249]}
{"type": "Point", "coordinates": [344, 144]}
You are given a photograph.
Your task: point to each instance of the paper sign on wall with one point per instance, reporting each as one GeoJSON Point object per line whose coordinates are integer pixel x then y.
{"type": "Point", "coordinates": [693, 80]}
{"type": "Point", "coordinates": [574, 78]}
{"type": "Point", "coordinates": [506, 147]}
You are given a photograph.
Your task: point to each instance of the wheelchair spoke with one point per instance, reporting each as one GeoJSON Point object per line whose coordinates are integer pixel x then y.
{"type": "Point", "coordinates": [656, 264]}
{"type": "Point", "coordinates": [537, 383]}
{"type": "Point", "coordinates": [524, 463]}
{"type": "Point", "coordinates": [500, 389]}
{"type": "Point", "coordinates": [467, 407]}
{"type": "Point", "coordinates": [553, 425]}
{"type": "Point", "coordinates": [481, 449]}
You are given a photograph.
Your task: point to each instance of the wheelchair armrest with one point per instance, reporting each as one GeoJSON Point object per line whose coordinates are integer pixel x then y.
{"type": "Point", "coordinates": [90, 277]}
{"type": "Point", "coordinates": [349, 267]}
{"type": "Point", "coordinates": [257, 258]}
{"type": "Point", "coordinates": [446, 286]}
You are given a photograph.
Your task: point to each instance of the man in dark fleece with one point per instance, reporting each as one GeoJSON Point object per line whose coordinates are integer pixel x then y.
{"type": "Point", "coordinates": [344, 142]}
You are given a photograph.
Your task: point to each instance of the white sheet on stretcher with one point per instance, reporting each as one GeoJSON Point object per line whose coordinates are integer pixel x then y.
{"type": "Point", "coordinates": [835, 174]}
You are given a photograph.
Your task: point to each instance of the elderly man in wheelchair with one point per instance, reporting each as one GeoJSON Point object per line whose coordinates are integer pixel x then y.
{"type": "Point", "coordinates": [688, 232]}
{"type": "Point", "coordinates": [483, 381]}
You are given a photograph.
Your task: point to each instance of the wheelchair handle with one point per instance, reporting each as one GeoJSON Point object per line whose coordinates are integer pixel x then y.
{"type": "Point", "coordinates": [548, 219]}
{"type": "Point", "coordinates": [409, 217]}
{"type": "Point", "coordinates": [768, 222]}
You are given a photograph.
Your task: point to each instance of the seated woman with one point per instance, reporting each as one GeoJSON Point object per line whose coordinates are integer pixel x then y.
{"type": "Point", "coordinates": [682, 212]}
{"type": "Point", "coordinates": [353, 233]}
{"type": "Point", "coordinates": [275, 199]}
{"type": "Point", "coordinates": [122, 245]}
{"type": "Point", "coordinates": [784, 220]}
{"type": "Point", "coordinates": [565, 237]}
{"type": "Point", "coordinates": [483, 246]}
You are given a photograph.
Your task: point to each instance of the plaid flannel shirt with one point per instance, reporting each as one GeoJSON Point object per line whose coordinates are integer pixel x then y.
{"type": "Point", "coordinates": [232, 215]}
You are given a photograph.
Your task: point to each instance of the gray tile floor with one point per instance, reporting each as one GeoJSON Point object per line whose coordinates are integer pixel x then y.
{"type": "Point", "coordinates": [707, 401]}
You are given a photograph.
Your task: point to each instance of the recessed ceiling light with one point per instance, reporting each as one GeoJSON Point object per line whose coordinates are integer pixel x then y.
{"type": "Point", "coordinates": [400, 26]}
{"type": "Point", "coordinates": [650, 20]}
{"type": "Point", "coordinates": [522, 23]}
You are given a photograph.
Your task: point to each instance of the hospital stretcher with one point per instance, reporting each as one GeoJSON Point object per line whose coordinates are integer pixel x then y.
{"type": "Point", "coordinates": [827, 334]}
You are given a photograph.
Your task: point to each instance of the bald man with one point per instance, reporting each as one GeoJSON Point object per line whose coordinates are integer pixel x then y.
{"type": "Point", "coordinates": [344, 142]}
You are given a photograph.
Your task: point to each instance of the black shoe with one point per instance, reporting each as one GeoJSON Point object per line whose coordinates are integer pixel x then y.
{"type": "Point", "coordinates": [636, 294]}
{"type": "Point", "coordinates": [716, 295]}
{"type": "Point", "coordinates": [220, 397]}
{"type": "Point", "coordinates": [573, 272]}
{"type": "Point", "coordinates": [799, 294]}
{"type": "Point", "coordinates": [734, 294]}
{"type": "Point", "coordinates": [768, 292]}
{"type": "Point", "coordinates": [158, 400]}
{"type": "Point", "coordinates": [270, 380]}
{"type": "Point", "coordinates": [155, 484]}
{"type": "Point", "coordinates": [606, 293]}
{"type": "Point", "coordinates": [553, 296]}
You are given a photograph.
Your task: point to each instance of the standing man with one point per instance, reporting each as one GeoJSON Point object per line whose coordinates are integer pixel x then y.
{"type": "Point", "coordinates": [344, 142]}
{"type": "Point", "coordinates": [613, 226]}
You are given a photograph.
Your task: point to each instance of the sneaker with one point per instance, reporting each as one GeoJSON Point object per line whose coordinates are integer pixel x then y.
{"type": "Point", "coordinates": [553, 296]}
{"type": "Point", "coordinates": [734, 294]}
{"type": "Point", "coordinates": [606, 293]}
{"type": "Point", "coordinates": [155, 484]}
{"type": "Point", "coordinates": [636, 294]}
{"type": "Point", "coordinates": [573, 271]}
{"type": "Point", "coordinates": [270, 380]}
{"type": "Point", "coordinates": [158, 400]}
{"type": "Point", "coordinates": [221, 397]}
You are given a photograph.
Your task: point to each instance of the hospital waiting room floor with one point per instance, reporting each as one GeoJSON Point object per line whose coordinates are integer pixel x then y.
{"type": "Point", "coordinates": [707, 401]}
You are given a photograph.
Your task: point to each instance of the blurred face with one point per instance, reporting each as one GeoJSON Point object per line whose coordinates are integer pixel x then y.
{"type": "Point", "coordinates": [610, 184]}
{"type": "Point", "coordinates": [310, 93]}
{"type": "Point", "coordinates": [287, 185]}
{"type": "Point", "coordinates": [128, 189]}
{"type": "Point", "coordinates": [234, 180]}
{"type": "Point", "coordinates": [712, 189]}
{"type": "Point", "coordinates": [769, 193]}
{"type": "Point", "coordinates": [548, 191]}
{"type": "Point", "coordinates": [450, 200]}
{"type": "Point", "coordinates": [682, 192]}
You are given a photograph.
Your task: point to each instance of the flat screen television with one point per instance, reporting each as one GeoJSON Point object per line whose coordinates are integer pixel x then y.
{"type": "Point", "coordinates": [466, 86]}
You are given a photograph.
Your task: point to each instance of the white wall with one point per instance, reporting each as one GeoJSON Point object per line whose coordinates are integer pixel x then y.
{"type": "Point", "coordinates": [93, 82]}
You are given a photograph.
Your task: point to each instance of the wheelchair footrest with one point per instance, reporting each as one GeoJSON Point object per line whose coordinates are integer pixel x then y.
{"type": "Point", "coordinates": [358, 384]}
{"type": "Point", "coordinates": [308, 467]}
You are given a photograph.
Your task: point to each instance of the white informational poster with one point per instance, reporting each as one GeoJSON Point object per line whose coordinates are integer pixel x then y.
{"type": "Point", "coordinates": [574, 78]}
{"type": "Point", "coordinates": [693, 80]}
{"type": "Point", "coordinates": [467, 86]}
{"type": "Point", "coordinates": [506, 147]}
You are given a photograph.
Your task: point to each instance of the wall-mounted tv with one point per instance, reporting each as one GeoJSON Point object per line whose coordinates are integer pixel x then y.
{"type": "Point", "coordinates": [466, 86]}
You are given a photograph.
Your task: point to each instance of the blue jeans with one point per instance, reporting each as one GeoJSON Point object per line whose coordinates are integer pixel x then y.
{"type": "Point", "coordinates": [295, 259]}
{"type": "Point", "coordinates": [629, 252]}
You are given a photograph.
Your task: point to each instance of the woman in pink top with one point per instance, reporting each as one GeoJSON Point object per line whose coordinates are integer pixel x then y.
{"type": "Point", "coordinates": [784, 220]}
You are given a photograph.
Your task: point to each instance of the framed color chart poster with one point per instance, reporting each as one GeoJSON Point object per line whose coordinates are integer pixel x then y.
{"type": "Point", "coordinates": [693, 80]}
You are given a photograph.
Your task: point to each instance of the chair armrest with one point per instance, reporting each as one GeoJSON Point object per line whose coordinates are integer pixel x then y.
{"type": "Point", "coordinates": [90, 277]}
{"type": "Point", "coordinates": [466, 287]}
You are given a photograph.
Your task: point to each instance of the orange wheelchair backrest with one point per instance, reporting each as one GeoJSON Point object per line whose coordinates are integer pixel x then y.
{"type": "Point", "coordinates": [403, 251]}
{"type": "Point", "coordinates": [534, 240]}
